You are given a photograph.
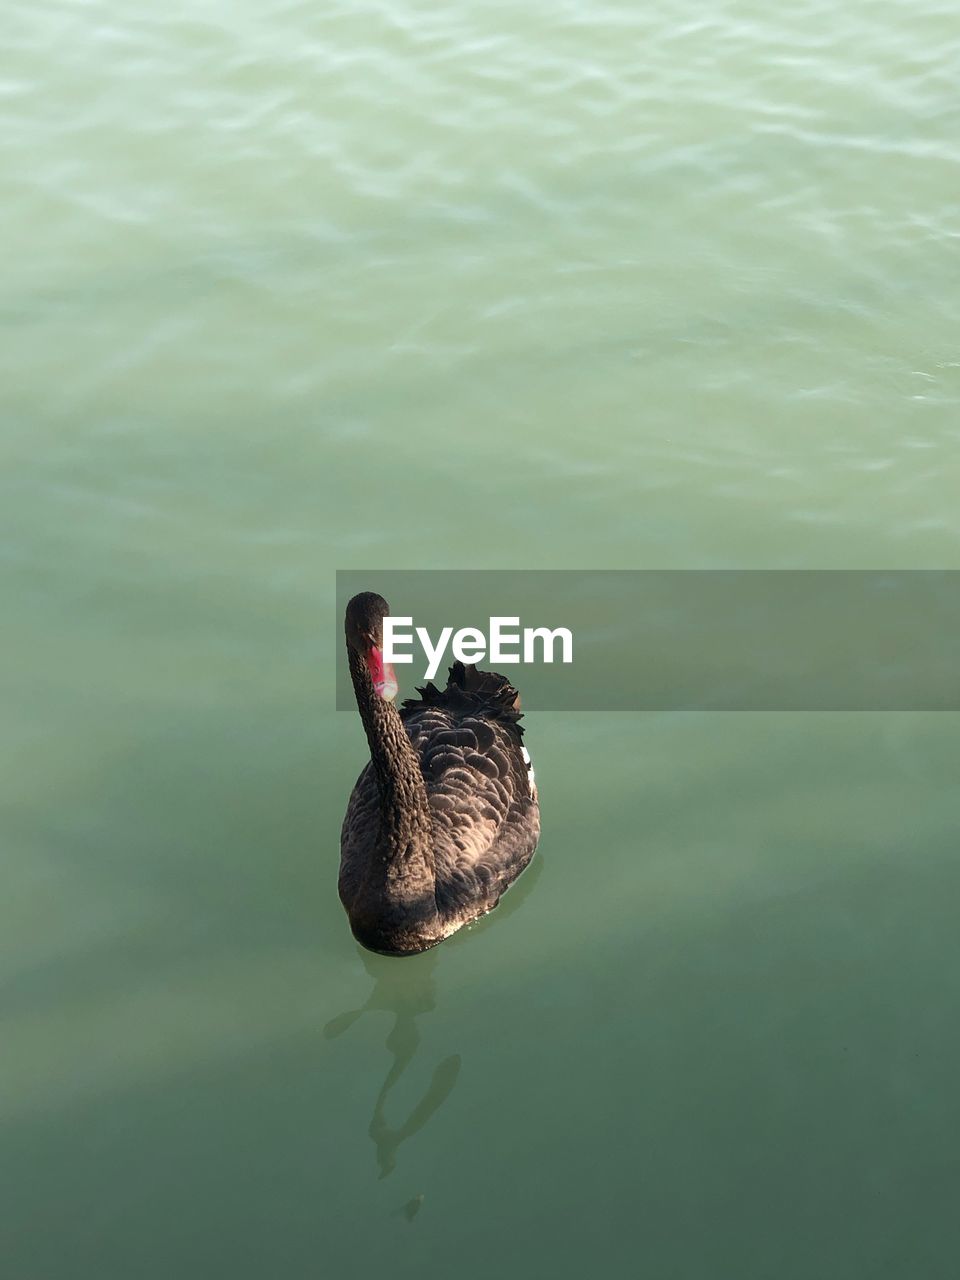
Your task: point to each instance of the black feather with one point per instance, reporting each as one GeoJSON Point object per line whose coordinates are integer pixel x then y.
{"type": "Point", "coordinates": [470, 691]}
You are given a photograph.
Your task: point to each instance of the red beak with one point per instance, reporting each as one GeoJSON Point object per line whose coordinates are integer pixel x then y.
{"type": "Point", "coordinates": [381, 673]}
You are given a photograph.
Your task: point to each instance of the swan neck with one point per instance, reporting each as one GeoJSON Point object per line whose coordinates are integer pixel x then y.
{"type": "Point", "coordinates": [404, 812]}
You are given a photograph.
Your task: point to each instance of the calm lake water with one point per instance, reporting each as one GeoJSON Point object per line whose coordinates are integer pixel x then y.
{"type": "Point", "coordinates": [292, 288]}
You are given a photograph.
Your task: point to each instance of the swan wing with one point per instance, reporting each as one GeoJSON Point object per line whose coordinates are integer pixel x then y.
{"type": "Point", "coordinates": [482, 800]}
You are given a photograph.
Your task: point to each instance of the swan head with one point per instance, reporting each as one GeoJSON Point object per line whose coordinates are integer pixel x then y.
{"type": "Point", "coordinates": [363, 626]}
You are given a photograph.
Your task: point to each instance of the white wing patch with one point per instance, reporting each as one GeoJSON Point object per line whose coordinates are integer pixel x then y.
{"type": "Point", "coordinates": [530, 775]}
{"type": "Point", "coordinates": [530, 768]}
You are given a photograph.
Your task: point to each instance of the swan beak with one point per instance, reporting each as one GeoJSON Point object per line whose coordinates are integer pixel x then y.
{"type": "Point", "coordinates": [382, 675]}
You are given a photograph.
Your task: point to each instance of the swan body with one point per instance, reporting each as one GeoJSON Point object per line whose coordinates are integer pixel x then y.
{"type": "Point", "coordinates": [446, 815]}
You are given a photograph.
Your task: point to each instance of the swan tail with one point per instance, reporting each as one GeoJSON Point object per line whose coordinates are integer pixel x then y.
{"type": "Point", "coordinates": [485, 692]}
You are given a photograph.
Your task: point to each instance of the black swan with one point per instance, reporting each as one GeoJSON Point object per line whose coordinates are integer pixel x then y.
{"type": "Point", "coordinates": [445, 816]}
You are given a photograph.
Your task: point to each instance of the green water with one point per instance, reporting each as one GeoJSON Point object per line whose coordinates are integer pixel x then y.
{"type": "Point", "coordinates": [293, 288]}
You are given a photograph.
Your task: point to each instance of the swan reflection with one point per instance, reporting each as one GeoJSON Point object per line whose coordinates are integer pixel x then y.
{"type": "Point", "coordinates": [407, 989]}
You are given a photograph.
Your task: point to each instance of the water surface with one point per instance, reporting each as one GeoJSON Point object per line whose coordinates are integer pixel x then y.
{"type": "Point", "coordinates": [288, 289]}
